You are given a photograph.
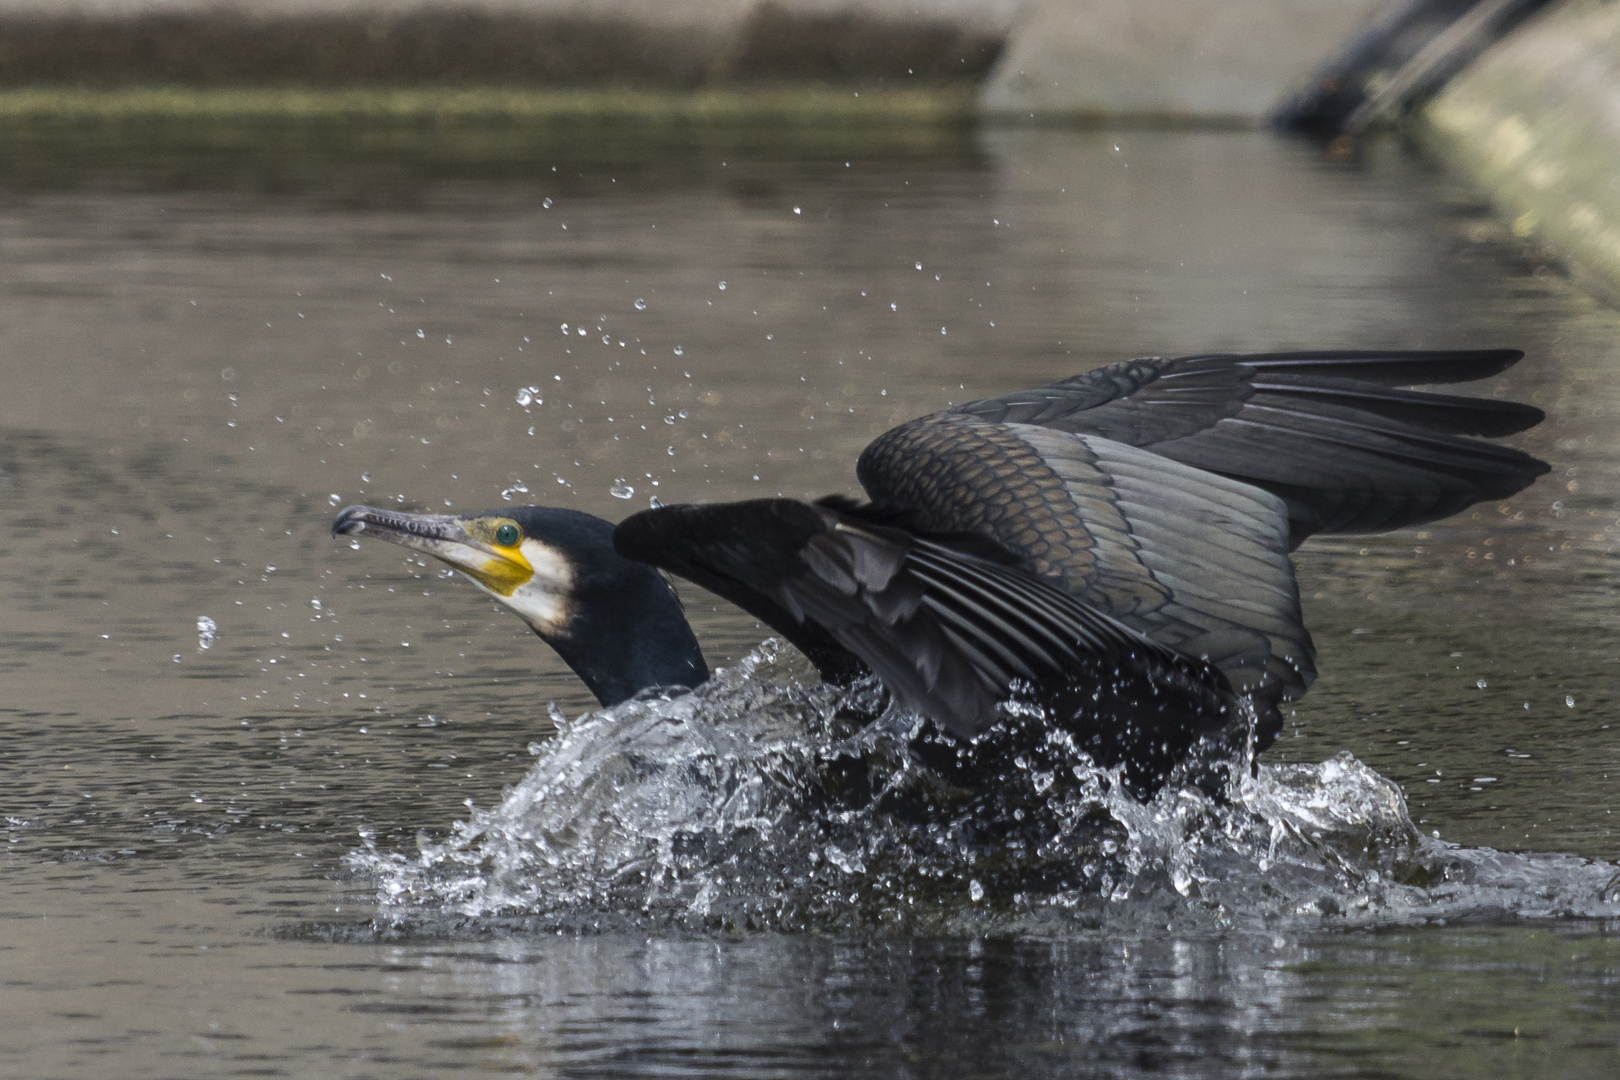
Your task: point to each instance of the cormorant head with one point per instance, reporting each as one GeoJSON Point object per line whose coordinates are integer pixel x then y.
{"type": "Point", "coordinates": [616, 622]}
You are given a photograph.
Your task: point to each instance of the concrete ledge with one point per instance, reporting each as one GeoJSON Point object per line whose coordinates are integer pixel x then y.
{"type": "Point", "coordinates": [1536, 120]}
{"type": "Point", "coordinates": [1153, 61]}
{"type": "Point", "coordinates": [537, 43]}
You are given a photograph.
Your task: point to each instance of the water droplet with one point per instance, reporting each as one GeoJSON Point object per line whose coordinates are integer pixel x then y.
{"type": "Point", "coordinates": [942, 329]}
{"type": "Point", "coordinates": [365, 478]}
{"type": "Point", "coordinates": [679, 351]}
{"type": "Point", "coordinates": [621, 490]}
{"type": "Point", "coordinates": [683, 414]}
{"type": "Point", "coordinates": [581, 331]}
{"type": "Point", "coordinates": [564, 330]}
{"type": "Point", "coordinates": [1569, 699]}
{"type": "Point", "coordinates": [334, 498]}
{"type": "Point", "coordinates": [1480, 684]}
{"type": "Point", "coordinates": [177, 658]}
{"type": "Point", "coordinates": [529, 395]}
{"type": "Point", "coordinates": [722, 286]}
{"type": "Point", "coordinates": [421, 333]}
{"type": "Point", "coordinates": [654, 502]}
{"type": "Point", "coordinates": [354, 544]}
{"type": "Point", "coordinates": [796, 210]}
{"type": "Point", "coordinates": [894, 307]}
{"type": "Point", "coordinates": [518, 488]}
{"type": "Point", "coordinates": [641, 305]}
{"type": "Point", "coordinates": [918, 265]}
{"type": "Point", "coordinates": [316, 603]}
{"type": "Point", "coordinates": [975, 891]}
{"type": "Point", "coordinates": [545, 204]}
{"type": "Point", "coordinates": [206, 631]}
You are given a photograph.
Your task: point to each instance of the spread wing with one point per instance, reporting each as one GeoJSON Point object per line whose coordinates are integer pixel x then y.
{"type": "Point", "coordinates": [950, 624]}
{"type": "Point", "coordinates": [1190, 559]}
{"type": "Point", "coordinates": [1329, 433]}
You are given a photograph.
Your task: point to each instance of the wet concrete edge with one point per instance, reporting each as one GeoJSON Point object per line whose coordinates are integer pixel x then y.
{"type": "Point", "coordinates": [1536, 122]}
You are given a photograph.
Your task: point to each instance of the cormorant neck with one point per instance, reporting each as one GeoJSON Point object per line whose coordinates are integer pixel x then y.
{"type": "Point", "coordinates": [627, 633]}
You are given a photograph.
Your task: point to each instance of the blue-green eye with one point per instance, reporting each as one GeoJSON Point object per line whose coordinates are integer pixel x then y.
{"type": "Point", "coordinates": [507, 535]}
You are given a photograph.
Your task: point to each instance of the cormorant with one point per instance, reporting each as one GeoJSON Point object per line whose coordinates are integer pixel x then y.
{"type": "Point", "coordinates": [1112, 547]}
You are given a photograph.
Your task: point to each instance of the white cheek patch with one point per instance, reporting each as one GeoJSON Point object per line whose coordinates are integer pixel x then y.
{"type": "Point", "coordinates": [545, 601]}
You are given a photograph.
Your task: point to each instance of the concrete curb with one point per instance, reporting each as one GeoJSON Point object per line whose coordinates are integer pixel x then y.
{"type": "Point", "coordinates": [646, 44]}
{"type": "Point", "coordinates": [1536, 121]}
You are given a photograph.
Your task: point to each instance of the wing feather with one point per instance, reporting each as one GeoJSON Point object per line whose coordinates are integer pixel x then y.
{"type": "Point", "coordinates": [1329, 432]}
{"type": "Point", "coordinates": [947, 630]}
{"type": "Point", "coordinates": [1177, 553]}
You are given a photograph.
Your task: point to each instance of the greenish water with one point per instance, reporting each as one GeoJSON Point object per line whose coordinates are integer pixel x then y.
{"type": "Point", "coordinates": [208, 341]}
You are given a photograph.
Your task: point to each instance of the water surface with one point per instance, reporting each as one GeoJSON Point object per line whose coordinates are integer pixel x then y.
{"type": "Point", "coordinates": [206, 350]}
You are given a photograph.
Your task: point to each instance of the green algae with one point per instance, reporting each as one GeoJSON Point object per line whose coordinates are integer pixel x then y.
{"type": "Point", "coordinates": [805, 106]}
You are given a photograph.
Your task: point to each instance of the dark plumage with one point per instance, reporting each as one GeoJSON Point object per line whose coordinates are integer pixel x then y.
{"type": "Point", "coordinates": [1112, 547]}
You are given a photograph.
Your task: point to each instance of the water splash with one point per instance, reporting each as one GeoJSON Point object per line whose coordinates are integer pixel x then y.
{"type": "Point", "coordinates": [207, 629]}
{"type": "Point", "coordinates": [765, 800]}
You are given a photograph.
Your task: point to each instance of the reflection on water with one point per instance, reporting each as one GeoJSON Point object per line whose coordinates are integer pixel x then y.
{"type": "Point", "coordinates": [202, 348]}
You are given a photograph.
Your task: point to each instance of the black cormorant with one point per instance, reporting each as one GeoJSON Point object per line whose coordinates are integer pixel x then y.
{"type": "Point", "coordinates": [1112, 547]}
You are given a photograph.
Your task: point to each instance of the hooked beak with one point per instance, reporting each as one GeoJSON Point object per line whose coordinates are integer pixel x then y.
{"type": "Point", "coordinates": [446, 538]}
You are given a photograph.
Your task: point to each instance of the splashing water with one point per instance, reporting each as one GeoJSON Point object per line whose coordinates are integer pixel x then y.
{"type": "Point", "coordinates": [206, 631]}
{"type": "Point", "coordinates": [765, 800]}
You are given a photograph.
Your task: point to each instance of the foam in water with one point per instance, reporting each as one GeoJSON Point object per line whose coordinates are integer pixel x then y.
{"type": "Point", "coordinates": [765, 800]}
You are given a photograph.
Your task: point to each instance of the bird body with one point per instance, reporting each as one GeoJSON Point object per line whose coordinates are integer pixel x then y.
{"type": "Point", "coordinates": [1112, 547]}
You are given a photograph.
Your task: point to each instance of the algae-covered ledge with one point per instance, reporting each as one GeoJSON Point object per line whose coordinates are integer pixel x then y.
{"type": "Point", "coordinates": [1536, 121]}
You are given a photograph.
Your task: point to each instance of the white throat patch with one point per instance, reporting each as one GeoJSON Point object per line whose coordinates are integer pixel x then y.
{"type": "Point", "coordinates": [545, 601]}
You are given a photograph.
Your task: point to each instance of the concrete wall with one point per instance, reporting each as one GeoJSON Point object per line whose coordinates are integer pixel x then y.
{"type": "Point", "coordinates": [1537, 121]}
{"type": "Point", "coordinates": [1210, 59]}
{"type": "Point", "coordinates": [663, 43]}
